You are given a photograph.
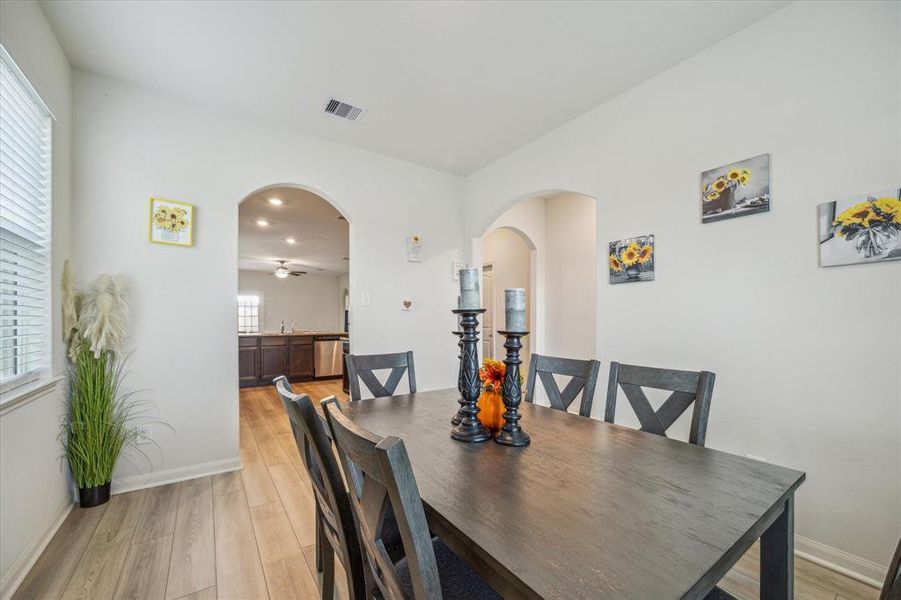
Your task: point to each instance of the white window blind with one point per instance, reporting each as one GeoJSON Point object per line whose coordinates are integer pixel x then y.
{"type": "Point", "coordinates": [248, 314]}
{"type": "Point", "coordinates": [25, 151]}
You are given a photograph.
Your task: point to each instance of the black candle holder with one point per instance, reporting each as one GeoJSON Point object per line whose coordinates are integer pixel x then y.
{"type": "Point", "coordinates": [469, 429]}
{"type": "Point", "coordinates": [511, 434]}
{"type": "Point", "coordinates": [459, 416]}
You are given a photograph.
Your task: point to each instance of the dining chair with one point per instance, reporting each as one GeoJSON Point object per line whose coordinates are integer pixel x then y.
{"type": "Point", "coordinates": [379, 475]}
{"type": "Point", "coordinates": [584, 375]}
{"type": "Point", "coordinates": [687, 387]}
{"type": "Point", "coordinates": [336, 533]}
{"type": "Point", "coordinates": [362, 367]}
{"type": "Point", "coordinates": [891, 589]}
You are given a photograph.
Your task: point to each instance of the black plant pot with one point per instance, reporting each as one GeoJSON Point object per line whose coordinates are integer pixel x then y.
{"type": "Point", "coordinates": [94, 496]}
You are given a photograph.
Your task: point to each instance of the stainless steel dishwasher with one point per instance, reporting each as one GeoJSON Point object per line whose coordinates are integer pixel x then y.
{"type": "Point", "coordinates": [327, 356]}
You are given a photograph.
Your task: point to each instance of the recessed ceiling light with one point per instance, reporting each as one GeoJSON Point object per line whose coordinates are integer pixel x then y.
{"type": "Point", "coordinates": [291, 241]}
{"type": "Point", "coordinates": [275, 201]}
{"type": "Point", "coordinates": [262, 222]}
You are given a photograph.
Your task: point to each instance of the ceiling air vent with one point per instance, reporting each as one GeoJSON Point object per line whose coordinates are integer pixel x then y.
{"type": "Point", "coordinates": [343, 110]}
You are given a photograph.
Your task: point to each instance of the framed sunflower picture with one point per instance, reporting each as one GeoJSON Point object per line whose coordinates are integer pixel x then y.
{"type": "Point", "coordinates": [171, 222]}
{"type": "Point", "coordinates": [736, 190]}
{"type": "Point", "coordinates": [863, 229]}
{"type": "Point", "coordinates": [632, 259]}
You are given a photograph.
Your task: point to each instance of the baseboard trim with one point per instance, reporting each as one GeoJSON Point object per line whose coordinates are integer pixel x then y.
{"type": "Point", "coordinates": [147, 480]}
{"type": "Point", "coordinates": [13, 578]}
{"type": "Point", "coordinates": [845, 563]}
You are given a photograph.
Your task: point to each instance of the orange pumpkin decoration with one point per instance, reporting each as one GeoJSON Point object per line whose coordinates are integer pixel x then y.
{"type": "Point", "coordinates": [491, 410]}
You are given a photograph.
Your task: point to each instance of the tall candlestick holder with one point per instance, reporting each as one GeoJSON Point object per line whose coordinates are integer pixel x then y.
{"type": "Point", "coordinates": [511, 434]}
{"type": "Point", "coordinates": [459, 416]}
{"type": "Point", "coordinates": [469, 429]}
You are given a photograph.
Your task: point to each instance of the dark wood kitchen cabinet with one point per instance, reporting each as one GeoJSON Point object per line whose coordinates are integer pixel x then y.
{"type": "Point", "coordinates": [248, 361]}
{"type": "Point", "coordinates": [263, 358]}
{"type": "Point", "coordinates": [273, 354]}
{"type": "Point", "coordinates": [300, 358]}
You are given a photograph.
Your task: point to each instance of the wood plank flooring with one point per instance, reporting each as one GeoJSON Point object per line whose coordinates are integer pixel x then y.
{"type": "Point", "coordinates": [249, 534]}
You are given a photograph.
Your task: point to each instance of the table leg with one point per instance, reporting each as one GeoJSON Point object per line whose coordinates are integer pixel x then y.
{"type": "Point", "coordinates": [777, 552]}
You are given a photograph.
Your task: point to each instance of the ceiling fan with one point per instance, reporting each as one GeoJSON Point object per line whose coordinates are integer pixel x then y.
{"type": "Point", "coordinates": [281, 271]}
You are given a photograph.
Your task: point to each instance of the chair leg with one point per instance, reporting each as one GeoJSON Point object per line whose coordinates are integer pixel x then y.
{"type": "Point", "coordinates": [328, 573]}
{"type": "Point", "coordinates": [369, 582]}
{"type": "Point", "coordinates": [318, 541]}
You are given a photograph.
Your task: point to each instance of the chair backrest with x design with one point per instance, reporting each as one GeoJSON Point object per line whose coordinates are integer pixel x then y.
{"type": "Point", "coordinates": [361, 367]}
{"type": "Point", "coordinates": [379, 477]}
{"type": "Point", "coordinates": [332, 502]}
{"type": "Point", "coordinates": [687, 387]}
{"type": "Point", "coordinates": [584, 375]}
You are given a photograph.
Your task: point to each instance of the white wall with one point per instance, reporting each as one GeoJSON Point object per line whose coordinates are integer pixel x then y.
{"type": "Point", "coordinates": [132, 143]}
{"type": "Point", "coordinates": [571, 269]}
{"type": "Point", "coordinates": [806, 358]}
{"type": "Point", "coordinates": [511, 260]}
{"type": "Point", "coordinates": [34, 482]}
{"type": "Point", "coordinates": [308, 299]}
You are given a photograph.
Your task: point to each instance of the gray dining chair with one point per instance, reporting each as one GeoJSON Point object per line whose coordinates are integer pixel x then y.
{"type": "Point", "coordinates": [687, 387]}
{"type": "Point", "coordinates": [891, 589]}
{"type": "Point", "coordinates": [336, 534]}
{"type": "Point", "coordinates": [361, 367]}
{"type": "Point", "coordinates": [584, 374]}
{"type": "Point", "coordinates": [379, 475]}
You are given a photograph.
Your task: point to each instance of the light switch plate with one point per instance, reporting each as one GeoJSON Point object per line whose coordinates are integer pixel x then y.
{"type": "Point", "coordinates": [365, 299]}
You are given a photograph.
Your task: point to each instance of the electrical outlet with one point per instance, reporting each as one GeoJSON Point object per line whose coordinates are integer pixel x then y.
{"type": "Point", "coordinates": [144, 435]}
{"type": "Point", "coordinates": [760, 458]}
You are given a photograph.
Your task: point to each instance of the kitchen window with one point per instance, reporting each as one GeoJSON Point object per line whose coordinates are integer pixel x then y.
{"type": "Point", "coordinates": [25, 206]}
{"type": "Point", "coordinates": [248, 314]}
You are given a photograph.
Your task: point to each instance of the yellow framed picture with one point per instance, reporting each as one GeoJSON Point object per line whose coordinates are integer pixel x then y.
{"type": "Point", "coordinates": [171, 222]}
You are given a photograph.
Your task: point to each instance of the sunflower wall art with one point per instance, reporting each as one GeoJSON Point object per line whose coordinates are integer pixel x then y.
{"type": "Point", "coordinates": [736, 190]}
{"type": "Point", "coordinates": [171, 222]}
{"type": "Point", "coordinates": [864, 229]}
{"type": "Point", "coordinates": [632, 259]}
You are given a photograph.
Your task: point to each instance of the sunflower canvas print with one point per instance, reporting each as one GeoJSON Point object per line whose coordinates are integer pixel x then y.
{"type": "Point", "coordinates": [632, 259]}
{"type": "Point", "coordinates": [171, 222]}
{"type": "Point", "coordinates": [736, 190]}
{"type": "Point", "coordinates": [864, 229]}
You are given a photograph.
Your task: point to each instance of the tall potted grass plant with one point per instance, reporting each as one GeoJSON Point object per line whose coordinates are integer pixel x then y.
{"type": "Point", "coordinates": [100, 422]}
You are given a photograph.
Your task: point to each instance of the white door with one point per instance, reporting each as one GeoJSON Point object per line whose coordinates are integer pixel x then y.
{"type": "Point", "coordinates": [488, 315]}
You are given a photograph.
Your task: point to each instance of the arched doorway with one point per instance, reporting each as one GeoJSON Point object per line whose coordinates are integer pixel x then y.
{"type": "Point", "coordinates": [560, 231]}
{"type": "Point", "coordinates": [509, 258]}
{"type": "Point", "coordinates": [293, 286]}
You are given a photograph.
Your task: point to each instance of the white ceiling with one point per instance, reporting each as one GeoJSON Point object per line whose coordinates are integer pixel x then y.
{"type": "Point", "coordinates": [446, 84]}
{"type": "Point", "coordinates": [322, 238]}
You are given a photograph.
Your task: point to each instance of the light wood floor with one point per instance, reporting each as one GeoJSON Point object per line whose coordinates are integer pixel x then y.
{"type": "Point", "coordinates": [249, 533]}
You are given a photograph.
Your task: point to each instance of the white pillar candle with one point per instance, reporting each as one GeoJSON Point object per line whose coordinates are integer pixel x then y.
{"type": "Point", "coordinates": [469, 289]}
{"type": "Point", "coordinates": [459, 317]}
{"type": "Point", "coordinates": [515, 309]}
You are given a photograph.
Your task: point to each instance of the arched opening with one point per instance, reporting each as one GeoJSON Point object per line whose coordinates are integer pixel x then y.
{"type": "Point", "coordinates": [294, 266]}
{"type": "Point", "coordinates": [509, 257]}
{"type": "Point", "coordinates": [547, 243]}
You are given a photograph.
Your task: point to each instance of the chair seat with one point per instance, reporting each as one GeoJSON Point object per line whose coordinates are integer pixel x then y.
{"type": "Point", "coordinates": [457, 579]}
{"type": "Point", "coordinates": [719, 594]}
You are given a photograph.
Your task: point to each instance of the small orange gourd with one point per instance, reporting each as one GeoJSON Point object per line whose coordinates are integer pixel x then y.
{"type": "Point", "coordinates": [491, 410]}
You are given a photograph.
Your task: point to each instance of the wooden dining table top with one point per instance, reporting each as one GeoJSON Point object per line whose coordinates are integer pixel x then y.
{"type": "Point", "coordinates": [588, 510]}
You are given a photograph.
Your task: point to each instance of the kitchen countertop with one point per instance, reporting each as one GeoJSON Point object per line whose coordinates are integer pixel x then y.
{"type": "Point", "coordinates": [296, 332]}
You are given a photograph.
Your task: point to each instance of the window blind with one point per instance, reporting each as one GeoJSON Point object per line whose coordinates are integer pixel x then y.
{"type": "Point", "coordinates": [25, 179]}
{"type": "Point", "coordinates": [248, 314]}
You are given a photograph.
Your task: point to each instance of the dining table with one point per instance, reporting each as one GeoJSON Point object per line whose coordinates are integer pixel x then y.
{"type": "Point", "coordinates": [591, 509]}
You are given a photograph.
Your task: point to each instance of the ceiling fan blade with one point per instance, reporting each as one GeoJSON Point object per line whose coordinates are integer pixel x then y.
{"type": "Point", "coordinates": [296, 273]}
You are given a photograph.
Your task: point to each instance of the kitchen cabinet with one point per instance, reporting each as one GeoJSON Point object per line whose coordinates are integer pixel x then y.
{"type": "Point", "coordinates": [248, 361]}
{"type": "Point", "coordinates": [300, 358]}
{"type": "Point", "coordinates": [262, 358]}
